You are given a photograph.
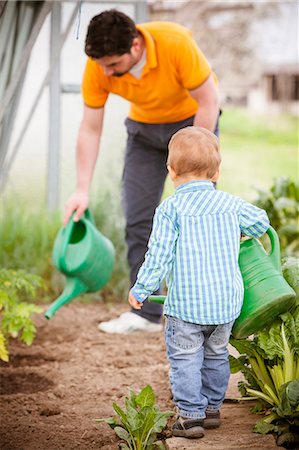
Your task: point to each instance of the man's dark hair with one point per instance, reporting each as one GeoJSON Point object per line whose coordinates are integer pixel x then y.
{"type": "Point", "coordinates": [110, 33]}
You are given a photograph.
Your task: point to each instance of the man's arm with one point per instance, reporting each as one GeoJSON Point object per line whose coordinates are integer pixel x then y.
{"type": "Point", "coordinates": [206, 95]}
{"type": "Point", "coordinates": [86, 156]}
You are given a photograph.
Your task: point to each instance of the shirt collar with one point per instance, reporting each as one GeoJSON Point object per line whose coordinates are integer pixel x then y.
{"type": "Point", "coordinates": [195, 185]}
{"type": "Point", "coordinates": [151, 56]}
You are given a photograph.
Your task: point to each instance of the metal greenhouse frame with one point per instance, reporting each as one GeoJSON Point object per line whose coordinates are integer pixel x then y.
{"type": "Point", "coordinates": [20, 25]}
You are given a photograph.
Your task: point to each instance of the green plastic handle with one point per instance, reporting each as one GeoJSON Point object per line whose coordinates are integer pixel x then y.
{"type": "Point", "coordinates": [67, 232]}
{"type": "Point", "coordinates": [274, 254]}
{"type": "Point", "coordinates": [157, 299]}
{"type": "Point", "coordinates": [89, 216]}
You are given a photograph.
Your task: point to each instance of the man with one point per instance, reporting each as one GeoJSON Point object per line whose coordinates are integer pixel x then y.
{"type": "Point", "coordinates": [159, 69]}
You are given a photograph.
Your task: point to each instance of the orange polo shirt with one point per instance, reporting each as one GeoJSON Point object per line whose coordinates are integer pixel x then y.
{"type": "Point", "coordinates": [174, 65]}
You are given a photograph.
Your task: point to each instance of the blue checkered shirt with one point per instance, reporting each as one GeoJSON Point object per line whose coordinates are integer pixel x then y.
{"type": "Point", "coordinates": [194, 245]}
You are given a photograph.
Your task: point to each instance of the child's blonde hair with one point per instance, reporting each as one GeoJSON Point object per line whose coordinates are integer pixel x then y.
{"type": "Point", "coordinates": [194, 150]}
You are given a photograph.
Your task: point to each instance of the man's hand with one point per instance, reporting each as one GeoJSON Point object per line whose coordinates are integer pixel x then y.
{"type": "Point", "coordinates": [78, 202]}
{"type": "Point", "coordinates": [133, 302]}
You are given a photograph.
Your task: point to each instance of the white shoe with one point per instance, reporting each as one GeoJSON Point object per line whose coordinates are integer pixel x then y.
{"type": "Point", "coordinates": [129, 322]}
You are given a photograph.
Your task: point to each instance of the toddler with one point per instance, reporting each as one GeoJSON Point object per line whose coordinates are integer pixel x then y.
{"type": "Point", "coordinates": [194, 245]}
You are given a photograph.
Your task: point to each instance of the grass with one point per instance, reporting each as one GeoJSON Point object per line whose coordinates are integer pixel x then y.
{"type": "Point", "coordinates": [27, 239]}
{"type": "Point", "coordinates": [255, 151]}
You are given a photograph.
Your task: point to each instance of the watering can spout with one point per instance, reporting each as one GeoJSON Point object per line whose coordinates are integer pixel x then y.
{"type": "Point", "coordinates": [73, 288]}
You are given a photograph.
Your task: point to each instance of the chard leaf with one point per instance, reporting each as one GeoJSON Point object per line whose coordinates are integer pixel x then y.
{"type": "Point", "coordinates": [161, 420]}
{"type": "Point", "coordinates": [135, 423]}
{"type": "Point", "coordinates": [242, 387]}
{"type": "Point", "coordinates": [124, 447]}
{"type": "Point", "coordinates": [270, 341]}
{"type": "Point", "coordinates": [111, 421]}
{"type": "Point", "coordinates": [123, 434]}
{"type": "Point", "coordinates": [146, 397]}
{"type": "Point", "coordinates": [241, 365]}
{"type": "Point", "coordinates": [250, 378]}
{"type": "Point", "coordinates": [291, 323]}
{"type": "Point", "coordinates": [121, 414]}
{"type": "Point", "coordinates": [133, 398]}
{"type": "Point", "coordinates": [290, 270]}
{"type": "Point", "coordinates": [263, 427]}
{"type": "Point", "coordinates": [147, 415]}
{"type": "Point", "coordinates": [258, 407]}
{"type": "Point", "coordinates": [237, 364]}
{"type": "Point", "coordinates": [132, 415]}
{"type": "Point", "coordinates": [244, 346]}
{"type": "Point", "coordinates": [150, 441]}
{"type": "Point", "coordinates": [289, 395]}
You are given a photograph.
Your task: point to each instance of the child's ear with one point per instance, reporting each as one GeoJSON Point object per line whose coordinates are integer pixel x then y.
{"type": "Point", "coordinates": [171, 172]}
{"type": "Point", "coordinates": [216, 175]}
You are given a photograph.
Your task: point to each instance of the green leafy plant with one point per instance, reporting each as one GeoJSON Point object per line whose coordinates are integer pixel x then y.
{"type": "Point", "coordinates": [282, 205]}
{"type": "Point", "coordinates": [17, 286]}
{"type": "Point", "coordinates": [270, 364]}
{"type": "Point", "coordinates": [290, 271]}
{"type": "Point", "coordinates": [140, 422]}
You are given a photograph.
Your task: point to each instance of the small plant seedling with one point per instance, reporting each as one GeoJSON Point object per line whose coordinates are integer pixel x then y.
{"type": "Point", "coordinates": [140, 422]}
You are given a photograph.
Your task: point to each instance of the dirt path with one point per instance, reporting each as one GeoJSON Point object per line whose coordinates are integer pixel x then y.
{"type": "Point", "coordinates": [51, 392]}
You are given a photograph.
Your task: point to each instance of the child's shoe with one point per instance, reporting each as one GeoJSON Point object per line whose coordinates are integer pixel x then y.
{"type": "Point", "coordinates": [212, 419]}
{"type": "Point", "coordinates": [188, 428]}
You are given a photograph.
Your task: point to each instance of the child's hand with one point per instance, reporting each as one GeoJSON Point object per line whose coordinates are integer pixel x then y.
{"type": "Point", "coordinates": [133, 302]}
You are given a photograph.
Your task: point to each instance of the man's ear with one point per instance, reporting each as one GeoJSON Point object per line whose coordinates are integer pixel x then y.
{"type": "Point", "coordinates": [136, 43]}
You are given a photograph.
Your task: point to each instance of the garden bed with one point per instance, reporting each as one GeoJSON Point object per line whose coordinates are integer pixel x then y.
{"type": "Point", "coordinates": [51, 392]}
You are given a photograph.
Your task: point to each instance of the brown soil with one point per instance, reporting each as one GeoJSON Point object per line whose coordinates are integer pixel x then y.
{"type": "Point", "coordinates": [51, 392]}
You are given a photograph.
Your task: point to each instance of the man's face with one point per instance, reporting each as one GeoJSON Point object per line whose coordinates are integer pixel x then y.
{"type": "Point", "coordinates": [116, 66]}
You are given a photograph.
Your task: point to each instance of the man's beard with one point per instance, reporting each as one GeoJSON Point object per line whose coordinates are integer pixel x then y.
{"type": "Point", "coordinates": [119, 74]}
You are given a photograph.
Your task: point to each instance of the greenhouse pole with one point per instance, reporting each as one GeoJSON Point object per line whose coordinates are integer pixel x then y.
{"type": "Point", "coordinates": [53, 178]}
{"type": "Point", "coordinates": [141, 11]}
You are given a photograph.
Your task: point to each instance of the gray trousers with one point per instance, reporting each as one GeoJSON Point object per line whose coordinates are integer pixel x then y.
{"type": "Point", "coordinates": [143, 182]}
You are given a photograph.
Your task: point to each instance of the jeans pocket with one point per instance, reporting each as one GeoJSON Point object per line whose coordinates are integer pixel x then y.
{"type": "Point", "coordinates": [221, 334]}
{"type": "Point", "coordinates": [182, 334]}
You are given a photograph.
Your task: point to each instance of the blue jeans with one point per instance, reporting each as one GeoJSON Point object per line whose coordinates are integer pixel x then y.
{"type": "Point", "coordinates": [199, 366]}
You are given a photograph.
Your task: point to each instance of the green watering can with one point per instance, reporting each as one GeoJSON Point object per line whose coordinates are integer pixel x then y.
{"type": "Point", "coordinates": [266, 292]}
{"type": "Point", "coordinates": [84, 256]}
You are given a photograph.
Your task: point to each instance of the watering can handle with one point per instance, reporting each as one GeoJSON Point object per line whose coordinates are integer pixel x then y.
{"type": "Point", "coordinates": [275, 248]}
{"type": "Point", "coordinates": [67, 235]}
{"type": "Point", "coordinates": [89, 216]}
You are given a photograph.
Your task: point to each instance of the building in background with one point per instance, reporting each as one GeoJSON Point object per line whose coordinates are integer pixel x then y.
{"type": "Point", "coordinates": [253, 47]}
